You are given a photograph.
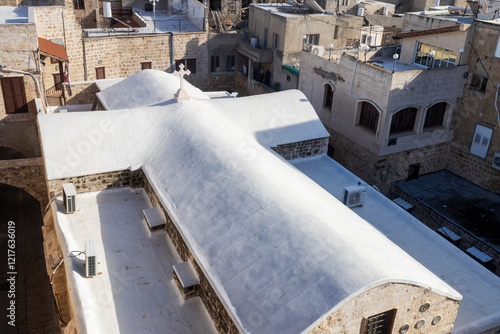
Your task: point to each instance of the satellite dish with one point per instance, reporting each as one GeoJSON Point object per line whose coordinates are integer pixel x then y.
{"type": "Point", "coordinates": [313, 5]}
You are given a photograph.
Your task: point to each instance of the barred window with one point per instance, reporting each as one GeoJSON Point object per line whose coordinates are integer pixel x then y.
{"type": "Point", "coordinates": [328, 97]}
{"type": "Point", "coordinates": [403, 120]}
{"type": "Point", "coordinates": [478, 83]}
{"type": "Point", "coordinates": [381, 323]}
{"type": "Point", "coordinates": [368, 117]}
{"type": "Point", "coordinates": [435, 115]}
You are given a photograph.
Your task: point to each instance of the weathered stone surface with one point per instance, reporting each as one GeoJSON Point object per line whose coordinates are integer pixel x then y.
{"type": "Point", "coordinates": [303, 149]}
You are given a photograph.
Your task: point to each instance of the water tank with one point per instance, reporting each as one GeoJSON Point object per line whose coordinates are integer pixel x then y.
{"type": "Point", "coordinates": [106, 8]}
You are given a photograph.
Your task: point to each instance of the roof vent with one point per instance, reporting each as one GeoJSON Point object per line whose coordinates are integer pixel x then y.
{"type": "Point", "coordinates": [354, 195]}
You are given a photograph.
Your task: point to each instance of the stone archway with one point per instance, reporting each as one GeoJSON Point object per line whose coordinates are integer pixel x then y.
{"type": "Point", "coordinates": [9, 153]}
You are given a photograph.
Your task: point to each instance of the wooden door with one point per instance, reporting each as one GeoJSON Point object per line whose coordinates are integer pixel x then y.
{"type": "Point", "coordinates": [14, 95]}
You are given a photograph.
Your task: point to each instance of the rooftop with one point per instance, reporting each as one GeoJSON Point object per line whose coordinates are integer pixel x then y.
{"type": "Point", "coordinates": [480, 306]}
{"type": "Point", "coordinates": [135, 292]}
{"type": "Point", "coordinates": [12, 15]}
{"type": "Point", "coordinates": [288, 10]}
{"type": "Point", "coordinates": [459, 201]}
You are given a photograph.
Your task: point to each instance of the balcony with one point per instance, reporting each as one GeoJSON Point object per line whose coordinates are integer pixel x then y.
{"type": "Point", "coordinates": [255, 54]}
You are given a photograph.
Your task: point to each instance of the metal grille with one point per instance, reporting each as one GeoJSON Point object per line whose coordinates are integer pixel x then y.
{"type": "Point", "coordinates": [380, 323]}
{"type": "Point", "coordinates": [91, 266]}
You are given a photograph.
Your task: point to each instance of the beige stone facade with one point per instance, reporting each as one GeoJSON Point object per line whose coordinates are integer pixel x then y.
{"type": "Point", "coordinates": [406, 299]}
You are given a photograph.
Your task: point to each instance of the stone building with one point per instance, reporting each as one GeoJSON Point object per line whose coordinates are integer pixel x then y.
{"type": "Point", "coordinates": [474, 150]}
{"type": "Point", "coordinates": [255, 234]}
{"type": "Point", "coordinates": [402, 126]}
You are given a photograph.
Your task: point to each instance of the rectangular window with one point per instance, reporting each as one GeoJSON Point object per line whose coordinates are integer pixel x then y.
{"type": "Point", "coordinates": [276, 41]}
{"type": "Point", "coordinates": [100, 73]}
{"type": "Point", "coordinates": [266, 32]}
{"type": "Point", "coordinates": [478, 83]}
{"type": "Point", "coordinates": [146, 66]}
{"type": "Point", "coordinates": [434, 57]}
{"type": "Point", "coordinates": [215, 64]}
{"type": "Point", "coordinates": [336, 32]}
{"type": "Point", "coordinates": [379, 324]}
{"type": "Point", "coordinates": [189, 64]}
{"type": "Point", "coordinates": [312, 39]}
{"type": "Point", "coordinates": [79, 4]}
{"type": "Point", "coordinates": [481, 141]}
{"type": "Point", "coordinates": [328, 97]}
{"type": "Point", "coordinates": [387, 39]}
{"type": "Point", "coordinates": [230, 63]}
{"type": "Point", "coordinates": [14, 95]}
{"type": "Point", "coordinates": [363, 39]}
{"type": "Point", "coordinates": [435, 115]}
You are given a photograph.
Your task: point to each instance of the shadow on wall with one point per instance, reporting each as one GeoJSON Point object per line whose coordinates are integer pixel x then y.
{"type": "Point", "coordinates": [21, 137]}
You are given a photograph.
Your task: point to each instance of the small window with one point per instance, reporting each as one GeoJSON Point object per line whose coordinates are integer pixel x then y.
{"type": "Point", "coordinates": [288, 78]}
{"type": "Point", "coordinates": [54, 61]}
{"type": "Point", "coordinates": [478, 83]}
{"type": "Point", "coordinates": [266, 32]}
{"type": "Point", "coordinates": [312, 39]}
{"type": "Point", "coordinates": [368, 117]}
{"type": "Point", "coordinates": [379, 324]}
{"type": "Point", "coordinates": [435, 115]}
{"type": "Point", "coordinates": [481, 141]}
{"type": "Point", "coordinates": [336, 32]}
{"type": "Point", "coordinates": [403, 121]}
{"type": "Point", "coordinates": [79, 4]}
{"type": "Point", "coordinates": [215, 64]}
{"type": "Point", "coordinates": [146, 66]}
{"type": "Point", "coordinates": [231, 63]}
{"type": "Point", "coordinates": [387, 39]}
{"type": "Point", "coordinates": [363, 39]}
{"type": "Point", "coordinates": [328, 97]}
{"type": "Point", "coordinates": [276, 41]}
{"type": "Point", "coordinates": [189, 64]}
{"type": "Point", "coordinates": [100, 73]}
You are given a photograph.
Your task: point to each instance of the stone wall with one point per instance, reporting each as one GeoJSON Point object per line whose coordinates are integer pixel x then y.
{"type": "Point", "coordinates": [434, 221]}
{"type": "Point", "coordinates": [81, 93]}
{"type": "Point", "coordinates": [209, 297]}
{"type": "Point", "coordinates": [406, 299]}
{"type": "Point", "coordinates": [302, 149]}
{"type": "Point", "coordinates": [26, 174]}
{"type": "Point", "coordinates": [382, 171]}
{"type": "Point", "coordinates": [97, 182]}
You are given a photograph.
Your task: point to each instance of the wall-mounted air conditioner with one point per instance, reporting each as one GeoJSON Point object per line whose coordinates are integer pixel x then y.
{"type": "Point", "coordinates": [496, 161]}
{"type": "Point", "coordinates": [317, 50]}
{"type": "Point", "coordinates": [69, 197]}
{"type": "Point", "coordinates": [90, 259]}
{"type": "Point", "coordinates": [354, 195]}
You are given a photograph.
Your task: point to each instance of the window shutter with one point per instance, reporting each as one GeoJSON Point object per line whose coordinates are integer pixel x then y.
{"type": "Point", "coordinates": [481, 141]}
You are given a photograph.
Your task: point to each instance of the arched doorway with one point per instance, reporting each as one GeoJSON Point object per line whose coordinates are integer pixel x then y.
{"type": "Point", "coordinates": [21, 221]}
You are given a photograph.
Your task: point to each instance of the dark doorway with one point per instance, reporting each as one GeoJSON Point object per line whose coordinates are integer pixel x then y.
{"type": "Point", "coordinates": [331, 151]}
{"type": "Point", "coordinates": [34, 308]}
{"type": "Point", "coordinates": [215, 4]}
{"type": "Point", "coordinates": [413, 171]}
{"type": "Point", "coordinates": [57, 81]}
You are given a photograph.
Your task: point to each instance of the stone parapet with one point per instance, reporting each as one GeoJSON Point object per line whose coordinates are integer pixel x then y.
{"type": "Point", "coordinates": [303, 149]}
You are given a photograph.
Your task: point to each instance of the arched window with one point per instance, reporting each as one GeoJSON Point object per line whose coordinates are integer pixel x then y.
{"type": "Point", "coordinates": [368, 117]}
{"type": "Point", "coordinates": [328, 97]}
{"type": "Point", "coordinates": [403, 120]}
{"type": "Point", "coordinates": [435, 115]}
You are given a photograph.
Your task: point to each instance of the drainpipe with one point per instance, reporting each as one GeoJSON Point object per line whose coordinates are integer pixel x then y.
{"type": "Point", "coordinates": [84, 56]}
{"type": "Point", "coordinates": [353, 74]}
{"type": "Point", "coordinates": [172, 62]}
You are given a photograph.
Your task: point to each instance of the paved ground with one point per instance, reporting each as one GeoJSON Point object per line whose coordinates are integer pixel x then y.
{"type": "Point", "coordinates": [34, 306]}
{"type": "Point", "coordinates": [460, 201]}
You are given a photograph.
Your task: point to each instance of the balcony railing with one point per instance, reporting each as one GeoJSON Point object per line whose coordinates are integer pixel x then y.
{"type": "Point", "coordinates": [254, 53]}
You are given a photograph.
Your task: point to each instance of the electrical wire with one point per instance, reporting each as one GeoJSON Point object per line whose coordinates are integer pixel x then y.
{"type": "Point", "coordinates": [56, 303]}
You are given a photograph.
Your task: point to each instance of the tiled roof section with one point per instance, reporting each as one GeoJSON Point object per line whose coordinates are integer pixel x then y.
{"type": "Point", "coordinates": [52, 49]}
{"type": "Point", "coordinates": [427, 32]}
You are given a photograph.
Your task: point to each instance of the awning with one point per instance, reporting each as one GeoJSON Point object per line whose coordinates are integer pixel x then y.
{"type": "Point", "coordinates": [53, 50]}
{"type": "Point", "coordinates": [426, 32]}
{"type": "Point", "coordinates": [291, 69]}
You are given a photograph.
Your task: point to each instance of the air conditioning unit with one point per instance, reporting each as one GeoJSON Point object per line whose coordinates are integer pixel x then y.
{"type": "Point", "coordinates": [317, 50]}
{"type": "Point", "coordinates": [69, 197]}
{"type": "Point", "coordinates": [361, 11]}
{"type": "Point", "coordinates": [90, 259]}
{"type": "Point", "coordinates": [354, 195]}
{"type": "Point", "coordinates": [496, 161]}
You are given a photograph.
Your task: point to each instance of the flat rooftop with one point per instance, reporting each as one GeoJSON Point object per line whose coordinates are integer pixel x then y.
{"type": "Point", "coordinates": [480, 306]}
{"type": "Point", "coordinates": [13, 15]}
{"type": "Point", "coordinates": [287, 10]}
{"type": "Point", "coordinates": [459, 201]}
{"type": "Point", "coordinates": [135, 292]}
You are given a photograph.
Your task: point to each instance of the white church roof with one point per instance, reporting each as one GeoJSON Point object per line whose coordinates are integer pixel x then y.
{"type": "Point", "coordinates": [280, 251]}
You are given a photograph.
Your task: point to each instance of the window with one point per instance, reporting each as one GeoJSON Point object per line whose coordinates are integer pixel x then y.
{"type": "Point", "coordinates": [363, 39]}
{"type": "Point", "coordinates": [189, 64]}
{"type": "Point", "coordinates": [146, 66]}
{"type": "Point", "coordinates": [387, 39]}
{"type": "Point", "coordinates": [14, 95]}
{"type": "Point", "coordinates": [100, 73]}
{"type": "Point", "coordinates": [435, 115]}
{"type": "Point", "coordinates": [276, 41]}
{"type": "Point", "coordinates": [328, 97]}
{"type": "Point", "coordinates": [345, 2]}
{"type": "Point", "coordinates": [481, 141]}
{"type": "Point", "coordinates": [379, 324]}
{"type": "Point", "coordinates": [230, 63]}
{"type": "Point", "coordinates": [442, 57]}
{"type": "Point", "coordinates": [266, 32]}
{"type": "Point", "coordinates": [336, 32]}
{"type": "Point", "coordinates": [478, 83]}
{"type": "Point", "coordinates": [310, 40]}
{"type": "Point", "coordinates": [368, 117]}
{"type": "Point", "coordinates": [215, 64]}
{"type": "Point", "coordinates": [403, 121]}
{"type": "Point", "coordinates": [79, 4]}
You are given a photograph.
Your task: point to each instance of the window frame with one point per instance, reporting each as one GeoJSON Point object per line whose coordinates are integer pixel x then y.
{"type": "Point", "coordinates": [228, 63]}
{"type": "Point", "coordinates": [17, 98]}
{"type": "Point", "coordinates": [328, 93]}
{"type": "Point", "coordinates": [78, 4]}
{"type": "Point", "coordinates": [311, 39]}
{"type": "Point", "coordinates": [390, 316]}
{"type": "Point", "coordinates": [478, 86]}
{"type": "Point", "coordinates": [442, 58]}
{"type": "Point", "coordinates": [483, 132]}
{"type": "Point", "coordinates": [146, 65]}
{"type": "Point", "coordinates": [369, 116]}
{"type": "Point", "coordinates": [214, 64]}
{"type": "Point", "coordinates": [400, 123]}
{"type": "Point", "coordinates": [97, 69]}
{"type": "Point", "coordinates": [434, 115]}
{"type": "Point", "coordinates": [276, 41]}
